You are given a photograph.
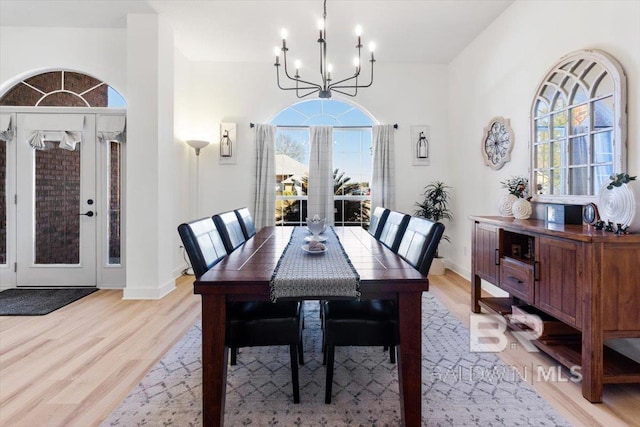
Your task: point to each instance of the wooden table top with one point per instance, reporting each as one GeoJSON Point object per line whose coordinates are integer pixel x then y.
{"type": "Point", "coordinates": [248, 270]}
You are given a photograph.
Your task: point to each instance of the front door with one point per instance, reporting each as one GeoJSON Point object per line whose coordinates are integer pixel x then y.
{"type": "Point", "coordinates": [56, 201]}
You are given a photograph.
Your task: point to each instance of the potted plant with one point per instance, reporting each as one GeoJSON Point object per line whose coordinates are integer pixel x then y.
{"type": "Point", "coordinates": [516, 203]}
{"type": "Point", "coordinates": [435, 207]}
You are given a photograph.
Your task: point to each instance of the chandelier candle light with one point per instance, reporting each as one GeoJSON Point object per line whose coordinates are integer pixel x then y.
{"type": "Point", "coordinates": [348, 86]}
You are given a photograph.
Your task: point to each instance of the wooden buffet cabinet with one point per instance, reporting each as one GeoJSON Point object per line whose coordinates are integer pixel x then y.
{"type": "Point", "coordinates": [584, 280]}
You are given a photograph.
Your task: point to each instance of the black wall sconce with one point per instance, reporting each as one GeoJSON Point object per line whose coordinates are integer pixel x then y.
{"type": "Point", "coordinates": [422, 147]}
{"type": "Point", "coordinates": [226, 145]}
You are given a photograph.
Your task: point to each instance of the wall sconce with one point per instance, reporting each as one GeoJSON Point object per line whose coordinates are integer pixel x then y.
{"type": "Point", "coordinates": [226, 145]}
{"type": "Point", "coordinates": [420, 141]}
{"type": "Point", "coordinates": [228, 149]}
{"type": "Point", "coordinates": [197, 144]}
{"type": "Point", "coordinates": [422, 147]}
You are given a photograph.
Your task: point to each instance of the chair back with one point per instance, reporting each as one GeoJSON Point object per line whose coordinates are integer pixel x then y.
{"type": "Point", "coordinates": [203, 244]}
{"type": "Point", "coordinates": [393, 229]}
{"type": "Point", "coordinates": [378, 218]}
{"type": "Point", "coordinates": [246, 222]}
{"type": "Point", "coordinates": [230, 230]}
{"type": "Point", "coordinates": [419, 243]}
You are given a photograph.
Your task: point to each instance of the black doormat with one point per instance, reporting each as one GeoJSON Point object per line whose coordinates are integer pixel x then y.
{"type": "Point", "coordinates": [36, 302]}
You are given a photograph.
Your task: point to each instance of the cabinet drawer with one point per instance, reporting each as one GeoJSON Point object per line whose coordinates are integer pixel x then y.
{"type": "Point", "coordinates": [517, 278]}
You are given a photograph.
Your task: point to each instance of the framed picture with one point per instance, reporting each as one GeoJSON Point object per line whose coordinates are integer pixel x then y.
{"type": "Point", "coordinates": [420, 148]}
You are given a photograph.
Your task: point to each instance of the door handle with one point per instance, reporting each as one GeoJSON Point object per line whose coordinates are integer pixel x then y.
{"type": "Point", "coordinates": [88, 213]}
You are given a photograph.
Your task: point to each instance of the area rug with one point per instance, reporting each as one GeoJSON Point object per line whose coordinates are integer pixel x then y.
{"type": "Point", "coordinates": [37, 302]}
{"type": "Point", "coordinates": [459, 388]}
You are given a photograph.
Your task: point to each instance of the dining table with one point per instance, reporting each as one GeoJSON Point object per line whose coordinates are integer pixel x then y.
{"type": "Point", "coordinates": [246, 275]}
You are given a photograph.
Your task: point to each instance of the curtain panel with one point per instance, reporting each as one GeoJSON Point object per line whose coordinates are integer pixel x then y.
{"type": "Point", "coordinates": [382, 180]}
{"type": "Point", "coordinates": [265, 197]}
{"type": "Point", "coordinates": [320, 191]}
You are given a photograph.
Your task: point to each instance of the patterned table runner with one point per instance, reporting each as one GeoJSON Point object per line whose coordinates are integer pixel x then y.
{"type": "Point", "coordinates": [300, 274]}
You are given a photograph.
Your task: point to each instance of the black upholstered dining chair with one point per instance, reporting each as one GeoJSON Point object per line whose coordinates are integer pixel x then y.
{"type": "Point", "coordinates": [392, 229]}
{"type": "Point", "coordinates": [376, 223]}
{"type": "Point", "coordinates": [375, 322]}
{"type": "Point", "coordinates": [248, 324]}
{"type": "Point", "coordinates": [246, 222]}
{"type": "Point", "coordinates": [228, 225]}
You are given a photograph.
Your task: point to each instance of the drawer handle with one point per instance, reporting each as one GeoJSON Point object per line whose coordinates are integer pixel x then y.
{"type": "Point", "coordinates": [497, 257]}
{"type": "Point", "coordinates": [536, 271]}
{"type": "Point", "coordinates": [515, 279]}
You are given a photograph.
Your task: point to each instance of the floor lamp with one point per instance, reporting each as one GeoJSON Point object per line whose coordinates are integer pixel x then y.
{"type": "Point", "coordinates": [197, 144]}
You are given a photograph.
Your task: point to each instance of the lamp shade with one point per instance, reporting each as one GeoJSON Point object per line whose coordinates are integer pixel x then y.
{"type": "Point", "coordinates": [197, 144]}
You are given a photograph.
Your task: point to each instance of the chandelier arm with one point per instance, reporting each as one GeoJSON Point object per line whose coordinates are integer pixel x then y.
{"type": "Point", "coordinates": [307, 94]}
{"type": "Point", "coordinates": [345, 93]}
{"type": "Point", "coordinates": [355, 76]}
{"type": "Point", "coordinates": [313, 86]}
{"type": "Point", "coordinates": [296, 79]}
{"type": "Point", "coordinates": [352, 86]}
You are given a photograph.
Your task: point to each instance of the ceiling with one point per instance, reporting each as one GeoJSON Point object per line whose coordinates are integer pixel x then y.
{"type": "Point", "coordinates": [405, 31]}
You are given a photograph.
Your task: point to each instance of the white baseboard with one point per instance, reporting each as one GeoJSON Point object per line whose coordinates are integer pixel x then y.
{"type": "Point", "coordinates": [148, 293]}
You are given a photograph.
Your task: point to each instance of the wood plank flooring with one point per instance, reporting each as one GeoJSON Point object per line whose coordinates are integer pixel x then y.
{"type": "Point", "coordinates": [75, 365]}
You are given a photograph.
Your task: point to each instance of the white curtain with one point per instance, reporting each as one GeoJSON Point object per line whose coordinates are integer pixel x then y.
{"type": "Point", "coordinates": [320, 189]}
{"type": "Point", "coordinates": [382, 180]}
{"type": "Point", "coordinates": [66, 129]}
{"type": "Point", "coordinates": [265, 198]}
{"type": "Point", "coordinates": [111, 128]}
{"type": "Point", "coordinates": [6, 128]}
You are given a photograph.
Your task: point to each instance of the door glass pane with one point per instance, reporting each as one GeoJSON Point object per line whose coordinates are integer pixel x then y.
{"type": "Point", "coordinates": [115, 193]}
{"type": "Point", "coordinates": [3, 202]}
{"type": "Point", "coordinates": [57, 201]}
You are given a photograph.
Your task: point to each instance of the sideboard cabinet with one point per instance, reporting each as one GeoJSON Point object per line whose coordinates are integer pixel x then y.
{"type": "Point", "coordinates": [584, 284]}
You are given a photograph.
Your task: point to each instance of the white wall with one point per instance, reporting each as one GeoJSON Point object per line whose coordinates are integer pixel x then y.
{"type": "Point", "coordinates": [139, 63]}
{"type": "Point", "coordinates": [497, 75]}
{"type": "Point", "coordinates": [247, 92]}
{"type": "Point", "coordinates": [97, 52]}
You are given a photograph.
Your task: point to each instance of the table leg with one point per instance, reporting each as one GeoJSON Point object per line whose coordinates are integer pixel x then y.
{"type": "Point", "coordinates": [214, 360]}
{"type": "Point", "coordinates": [410, 357]}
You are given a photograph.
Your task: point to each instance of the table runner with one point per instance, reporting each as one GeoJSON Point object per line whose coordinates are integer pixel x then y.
{"type": "Point", "coordinates": [300, 274]}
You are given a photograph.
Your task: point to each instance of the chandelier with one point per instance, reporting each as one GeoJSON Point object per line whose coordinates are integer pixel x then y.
{"type": "Point", "coordinates": [347, 86]}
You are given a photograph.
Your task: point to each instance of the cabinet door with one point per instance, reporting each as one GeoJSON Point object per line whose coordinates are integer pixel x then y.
{"type": "Point", "coordinates": [558, 277]}
{"type": "Point", "coordinates": [485, 252]}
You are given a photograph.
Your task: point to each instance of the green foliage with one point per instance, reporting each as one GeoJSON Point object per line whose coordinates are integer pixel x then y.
{"type": "Point", "coordinates": [618, 179]}
{"type": "Point", "coordinates": [435, 205]}
{"type": "Point", "coordinates": [517, 185]}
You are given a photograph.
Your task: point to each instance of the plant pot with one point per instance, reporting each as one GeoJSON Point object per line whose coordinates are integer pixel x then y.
{"type": "Point", "coordinates": [437, 267]}
{"type": "Point", "coordinates": [621, 205]}
{"type": "Point", "coordinates": [521, 209]}
{"type": "Point", "coordinates": [505, 205]}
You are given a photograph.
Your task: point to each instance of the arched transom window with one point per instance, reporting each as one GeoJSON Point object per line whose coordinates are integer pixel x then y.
{"type": "Point", "coordinates": [352, 155]}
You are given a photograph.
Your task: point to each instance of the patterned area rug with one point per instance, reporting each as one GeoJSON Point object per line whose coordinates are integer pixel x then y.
{"type": "Point", "coordinates": [459, 388]}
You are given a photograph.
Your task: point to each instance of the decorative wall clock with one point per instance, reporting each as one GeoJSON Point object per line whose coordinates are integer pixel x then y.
{"type": "Point", "coordinates": [497, 142]}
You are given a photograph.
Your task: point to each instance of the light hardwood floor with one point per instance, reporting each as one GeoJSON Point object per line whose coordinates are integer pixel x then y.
{"type": "Point", "coordinates": [74, 366]}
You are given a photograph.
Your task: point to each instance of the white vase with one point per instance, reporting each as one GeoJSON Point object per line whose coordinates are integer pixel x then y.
{"type": "Point", "coordinates": [505, 203]}
{"type": "Point", "coordinates": [521, 209]}
{"type": "Point", "coordinates": [620, 205]}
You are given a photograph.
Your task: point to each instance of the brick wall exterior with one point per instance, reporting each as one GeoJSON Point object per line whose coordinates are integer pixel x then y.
{"type": "Point", "coordinates": [57, 189]}
{"type": "Point", "coordinates": [114, 202]}
{"type": "Point", "coordinates": [3, 202]}
{"type": "Point", "coordinates": [75, 83]}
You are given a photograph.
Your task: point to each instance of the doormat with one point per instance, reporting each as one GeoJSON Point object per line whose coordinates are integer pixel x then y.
{"type": "Point", "coordinates": [37, 302]}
